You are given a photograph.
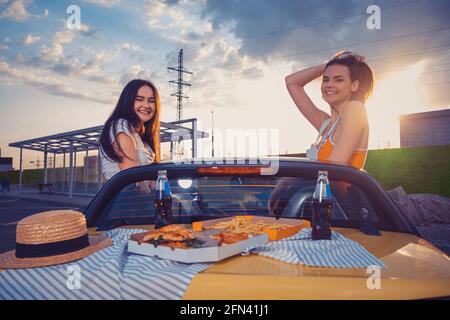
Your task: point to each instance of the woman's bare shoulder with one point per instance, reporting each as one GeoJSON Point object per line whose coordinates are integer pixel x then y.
{"type": "Point", "coordinates": [355, 109]}
{"type": "Point", "coordinates": [356, 104]}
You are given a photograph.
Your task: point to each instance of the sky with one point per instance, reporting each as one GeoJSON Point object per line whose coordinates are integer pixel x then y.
{"type": "Point", "coordinates": [55, 79]}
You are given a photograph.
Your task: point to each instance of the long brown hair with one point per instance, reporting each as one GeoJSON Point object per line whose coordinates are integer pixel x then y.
{"type": "Point", "coordinates": [148, 131]}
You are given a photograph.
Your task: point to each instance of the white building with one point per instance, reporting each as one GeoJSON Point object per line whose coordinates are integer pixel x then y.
{"type": "Point", "coordinates": [425, 128]}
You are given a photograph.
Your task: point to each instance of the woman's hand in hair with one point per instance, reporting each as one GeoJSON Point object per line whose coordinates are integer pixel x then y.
{"type": "Point", "coordinates": [349, 54]}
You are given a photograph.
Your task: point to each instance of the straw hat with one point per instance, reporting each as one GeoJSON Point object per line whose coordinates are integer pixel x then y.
{"type": "Point", "coordinates": [52, 237]}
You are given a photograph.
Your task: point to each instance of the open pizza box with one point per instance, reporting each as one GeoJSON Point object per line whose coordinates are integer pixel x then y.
{"type": "Point", "coordinates": [210, 250]}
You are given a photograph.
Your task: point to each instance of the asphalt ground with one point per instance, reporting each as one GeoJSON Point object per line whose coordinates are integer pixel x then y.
{"type": "Point", "coordinates": [12, 211]}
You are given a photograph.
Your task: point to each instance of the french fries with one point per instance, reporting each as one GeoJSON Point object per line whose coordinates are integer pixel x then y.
{"type": "Point", "coordinates": [248, 226]}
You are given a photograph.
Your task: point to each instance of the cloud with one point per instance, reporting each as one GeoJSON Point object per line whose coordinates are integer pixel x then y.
{"type": "Point", "coordinates": [86, 30]}
{"type": "Point", "coordinates": [103, 3]}
{"type": "Point", "coordinates": [161, 15]}
{"type": "Point", "coordinates": [94, 65]}
{"type": "Point", "coordinates": [127, 47]}
{"type": "Point", "coordinates": [136, 72]}
{"type": "Point", "coordinates": [284, 30]}
{"type": "Point", "coordinates": [85, 64]}
{"type": "Point", "coordinates": [16, 10]}
{"type": "Point", "coordinates": [4, 46]}
{"type": "Point", "coordinates": [64, 36]}
{"type": "Point", "coordinates": [256, 24]}
{"type": "Point", "coordinates": [252, 72]}
{"type": "Point", "coordinates": [103, 79]}
{"type": "Point", "coordinates": [44, 14]}
{"type": "Point", "coordinates": [29, 39]}
{"type": "Point", "coordinates": [67, 68]}
{"type": "Point", "coordinates": [55, 51]}
{"type": "Point", "coordinates": [181, 23]}
{"type": "Point", "coordinates": [92, 70]}
{"type": "Point", "coordinates": [48, 84]}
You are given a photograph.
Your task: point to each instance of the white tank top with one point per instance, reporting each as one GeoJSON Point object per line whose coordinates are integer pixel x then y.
{"type": "Point", "coordinates": [145, 154]}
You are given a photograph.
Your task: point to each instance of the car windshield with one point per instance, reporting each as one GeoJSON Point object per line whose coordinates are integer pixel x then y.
{"type": "Point", "coordinates": [210, 197]}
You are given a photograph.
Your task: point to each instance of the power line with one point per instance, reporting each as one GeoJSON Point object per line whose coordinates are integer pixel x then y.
{"type": "Point", "coordinates": [384, 57]}
{"type": "Point", "coordinates": [335, 48]}
{"type": "Point", "coordinates": [394, 70]}
{"type": "Point", "coordinates": [435, 71]}
{"type": "Point", "coordinates": [412, 52]}
{"type": "Point", "coordinates": [423, 73]}
{"type": "Point", "coordinates": [434, 84]}
{"type": "Point", "coordinates": [440, 64]}
{"type": "Point", "coordinates": [323, 21]}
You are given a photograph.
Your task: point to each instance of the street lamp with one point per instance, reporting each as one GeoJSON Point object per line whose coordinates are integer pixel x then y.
{"type": "Point", "coordinates": [212, 132]}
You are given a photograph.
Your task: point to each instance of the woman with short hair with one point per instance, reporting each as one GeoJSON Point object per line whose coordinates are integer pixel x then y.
{"type": "Point", "coordinates": [347, 82]}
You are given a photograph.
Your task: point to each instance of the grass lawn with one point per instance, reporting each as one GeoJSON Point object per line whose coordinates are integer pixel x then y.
{"type": "Point", "coordinates": [417, 170]}
{"type": "Point", "coordinates": [31, 176]}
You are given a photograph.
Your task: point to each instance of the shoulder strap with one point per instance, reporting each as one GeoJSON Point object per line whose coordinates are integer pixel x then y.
{"type": "Point", "coordinates": [324, 125]}
{"type": "Point", "coordinates": [334, 127]}
{"type": "Point", "coordinates": [322, 129]}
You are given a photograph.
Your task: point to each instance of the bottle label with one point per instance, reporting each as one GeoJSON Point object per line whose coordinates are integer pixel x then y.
{"type": "Point", "coordinates": [321, 219]}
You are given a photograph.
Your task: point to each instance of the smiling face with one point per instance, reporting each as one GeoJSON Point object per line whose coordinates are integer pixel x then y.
{"type": "Point", "coordinates": [145, 103]}
{"type": "Point", "coordinates": [337, 85]}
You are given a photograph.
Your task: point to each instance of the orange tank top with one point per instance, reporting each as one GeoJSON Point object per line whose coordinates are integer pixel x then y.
{"type": "Point", "coordinates": [324, 146]}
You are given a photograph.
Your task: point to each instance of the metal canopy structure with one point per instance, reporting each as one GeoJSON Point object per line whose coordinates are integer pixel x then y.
{"type": "Point", "coordinates": [88, 140]}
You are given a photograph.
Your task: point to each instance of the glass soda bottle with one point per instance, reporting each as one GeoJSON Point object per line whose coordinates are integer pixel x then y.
{"type": "Point", "coordinates": [322, 208]}
{"type": "Point", "coordinates": [163, 201]}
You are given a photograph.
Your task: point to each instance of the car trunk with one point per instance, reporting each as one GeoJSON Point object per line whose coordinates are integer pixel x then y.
{"type": "Point", "coordinates": [414, 270]}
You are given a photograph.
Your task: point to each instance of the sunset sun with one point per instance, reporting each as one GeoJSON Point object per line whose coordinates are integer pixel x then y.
{"type": "Point", "coordinates": [395, 94]}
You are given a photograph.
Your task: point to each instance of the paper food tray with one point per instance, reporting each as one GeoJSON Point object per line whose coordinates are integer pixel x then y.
{"type": "Point", "coordinates": [296, 225]}
{"type": "Point", "coordinates": [208, 252]}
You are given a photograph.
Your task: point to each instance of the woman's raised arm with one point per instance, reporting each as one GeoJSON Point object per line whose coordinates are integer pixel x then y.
{"type": "Point", "coordinates": [295, 83]}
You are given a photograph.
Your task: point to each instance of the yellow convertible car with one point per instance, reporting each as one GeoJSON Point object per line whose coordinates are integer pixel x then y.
{"type": "Point", "coordinates": [362, 212]}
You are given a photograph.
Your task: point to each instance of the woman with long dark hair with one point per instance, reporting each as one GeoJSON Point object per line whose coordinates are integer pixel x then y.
{"type": "Point", "coordinates": [130, 136]}
{"type": "Point", "coordinates": [347, 82]}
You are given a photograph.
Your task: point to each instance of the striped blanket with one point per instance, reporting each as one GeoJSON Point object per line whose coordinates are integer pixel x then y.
{"type": "Point", "coordinates": [109, 274]}
{"type": "Point", "coordinates": [339, 252]}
